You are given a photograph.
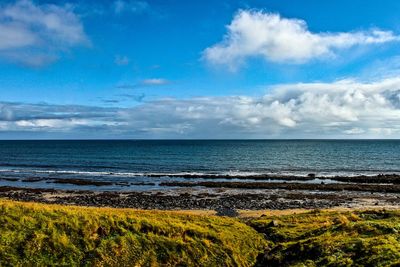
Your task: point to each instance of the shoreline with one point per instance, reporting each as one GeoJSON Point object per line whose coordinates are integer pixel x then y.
{"type": "Point", "coordinates": [225, 197]}
{"type": "Point", "coordinates": [148, 182]}
{"type": "Point", "coordinates": [224, 201]}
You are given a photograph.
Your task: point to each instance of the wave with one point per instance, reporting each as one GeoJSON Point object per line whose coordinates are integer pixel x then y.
{"type": "Point", "coordinates": [287, 175]}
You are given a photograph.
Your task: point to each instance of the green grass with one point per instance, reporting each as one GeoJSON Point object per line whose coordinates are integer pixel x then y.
{"type": "Point", "coordinates": [34, 234]}
{"type": "Point", "coordinates": [358, 238]}
{"type": "Point", "coordinates": [39, 235]}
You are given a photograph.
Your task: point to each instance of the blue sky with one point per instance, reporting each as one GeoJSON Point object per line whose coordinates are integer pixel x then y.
{"type": "Point", "coordinates": [199, 69]}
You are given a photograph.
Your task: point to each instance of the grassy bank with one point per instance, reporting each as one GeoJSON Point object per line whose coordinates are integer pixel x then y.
{"type": "Point", "coordinates": [39, 234]}
{"type": "Point", "coordinates": [351, 238]}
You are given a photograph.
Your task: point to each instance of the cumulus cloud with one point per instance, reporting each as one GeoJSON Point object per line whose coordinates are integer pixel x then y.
{"type": "Point", "coordinates": [35, 34]}
{"type": "Point", "coordinates": [274, 38]}
{"type": "Point", "coordinates": [338, 109]}
{"type": "Point", "coordinates": [345, 108]}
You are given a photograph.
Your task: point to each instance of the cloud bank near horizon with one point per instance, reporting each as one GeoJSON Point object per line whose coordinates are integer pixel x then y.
{"type": "Point", "coordinates": [345, 108]}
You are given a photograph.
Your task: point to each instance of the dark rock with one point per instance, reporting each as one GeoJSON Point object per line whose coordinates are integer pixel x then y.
{"type": "Point", "coordinates": [226, 211]}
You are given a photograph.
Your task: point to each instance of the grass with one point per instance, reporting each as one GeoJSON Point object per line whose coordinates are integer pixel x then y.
{"type": "Point", "coordinates": [352, 238]}
{"type": "Point", "coordinates": [34, 234]}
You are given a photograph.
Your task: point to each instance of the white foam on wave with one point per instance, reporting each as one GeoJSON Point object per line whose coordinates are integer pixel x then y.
{"type": "Point", "coordinates": [194, 174]}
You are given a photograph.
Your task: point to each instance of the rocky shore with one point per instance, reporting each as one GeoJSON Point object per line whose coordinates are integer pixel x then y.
{"type": "Point", "coordinates": [389, 188]}
{"type": "Point", "coordinates": [225, 196]}
{"type": "Point", "coordinates": [374, 183]}
{"type": "Point", "coordinates": [224, 200]}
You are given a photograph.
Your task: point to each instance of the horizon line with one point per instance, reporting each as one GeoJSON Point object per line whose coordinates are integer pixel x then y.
{"type": "Point", "coordinates": [209, 139]}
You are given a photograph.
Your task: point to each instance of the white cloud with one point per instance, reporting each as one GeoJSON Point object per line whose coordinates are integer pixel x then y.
{"type": "Point", "coordinates": [154, 81]}
{"type": "Point", "coordinates": [15, 36]}
{"type": "Point", "coordinates": [354, 131]}
{"type": "Point", "coordinates": [145, 83]}
{"type": "Point", "coordinates": [276, 39]}
{"type": "Point", "coordinates": [345, 108]}
{"type": "Point", "coordinates": [35, 34]}
{"type": "Point", "coordinates": [338, 109]}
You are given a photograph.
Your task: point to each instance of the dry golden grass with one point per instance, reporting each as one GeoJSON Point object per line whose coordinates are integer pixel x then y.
{"type": "Point", "coordinates": [331, 238]}
{"type": "Point", "coordinates": [41, 234]}
{"type": "Point", "coordinates": [33, 234]}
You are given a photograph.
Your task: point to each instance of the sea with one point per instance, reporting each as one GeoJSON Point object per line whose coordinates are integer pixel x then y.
{"type": "Point", "coordinates": [144, 164]}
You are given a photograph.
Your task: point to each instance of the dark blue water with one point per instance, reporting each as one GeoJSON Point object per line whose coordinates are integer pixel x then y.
{"type": "Point", "coordinates": [136, 160]}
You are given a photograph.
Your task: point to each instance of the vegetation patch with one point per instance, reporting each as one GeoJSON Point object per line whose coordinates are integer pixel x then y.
{"type": "Point", "coordinates": [358, 238]}
{"type": "Point", "coordinates": [34, 234]}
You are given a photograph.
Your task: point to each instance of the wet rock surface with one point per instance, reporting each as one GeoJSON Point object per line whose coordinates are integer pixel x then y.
{"type": "Point", "coordinates": [389, 188]}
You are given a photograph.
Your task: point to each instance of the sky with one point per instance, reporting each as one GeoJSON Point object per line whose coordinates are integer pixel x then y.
{"type": "Point", "coordinates": [174, 69]}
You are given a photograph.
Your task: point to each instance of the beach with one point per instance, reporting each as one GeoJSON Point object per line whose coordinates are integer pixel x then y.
{"type": "Point", "coordinates": [220, 196]}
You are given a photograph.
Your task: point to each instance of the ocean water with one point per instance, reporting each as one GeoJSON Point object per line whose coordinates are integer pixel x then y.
{"type": "Point", "coordinates": [139, 163]}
